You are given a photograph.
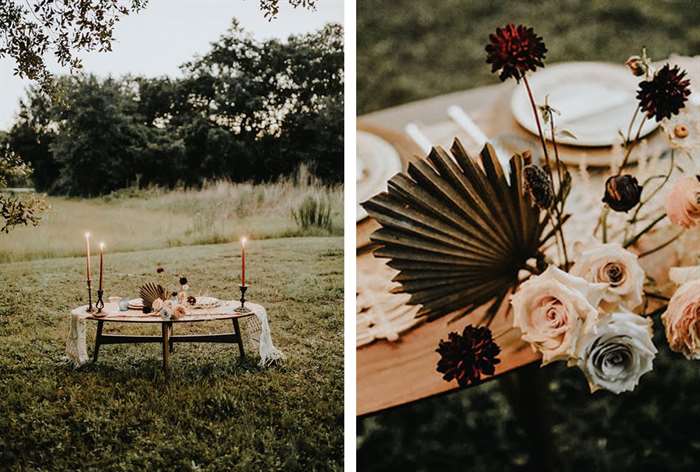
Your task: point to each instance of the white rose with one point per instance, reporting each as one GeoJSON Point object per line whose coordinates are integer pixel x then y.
{"type": "Point", "coordinates": [613, 265]}
{"type": "Point", "coordinates": [616, 351]}
{"type": "Point", "coordinates": [551, 309]}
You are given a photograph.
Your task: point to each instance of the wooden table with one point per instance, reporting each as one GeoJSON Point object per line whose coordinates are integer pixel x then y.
{"type": "Point", "coordinates": [167, 338]}
{"type": "Point", "coordinates": [390, 374]}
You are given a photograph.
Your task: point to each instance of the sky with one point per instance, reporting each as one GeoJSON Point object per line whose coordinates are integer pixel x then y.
{"type": "Point", "coordinates": [168, 33]}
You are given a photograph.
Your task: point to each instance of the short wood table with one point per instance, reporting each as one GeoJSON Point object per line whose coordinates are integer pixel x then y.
{"type": "Point", "coordinates": [227, 311]}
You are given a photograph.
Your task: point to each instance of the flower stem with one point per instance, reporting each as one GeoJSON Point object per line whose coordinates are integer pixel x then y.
{"type": "Point", "coordinates": [630, 145]}
{"type": "Point", "coordinates": [660, 246]}
{"type": "Point", "coordinates": [646, 229]}
{"type": "Point", "coordinates": [655, 296]}
{"type": "Point", "coordinates": [604, 223]}
{"type": "Point", "coordinates": [537, 120]}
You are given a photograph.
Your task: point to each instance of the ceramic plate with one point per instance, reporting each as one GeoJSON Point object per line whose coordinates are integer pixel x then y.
{"type": "Point", "coordinates": [377, 162]}
{"type": "Point", "coordinates": [596, 101]}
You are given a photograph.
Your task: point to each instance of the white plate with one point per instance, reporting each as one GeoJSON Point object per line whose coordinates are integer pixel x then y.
{"type": "Point", "coordinates": [596, 100]}
{"type": "Point", "coordinates": [206, 302]}
{"type": "Point", "coordinates": [377, 162]}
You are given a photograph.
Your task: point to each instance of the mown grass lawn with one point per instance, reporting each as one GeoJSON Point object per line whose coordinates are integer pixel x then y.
{"type": "Point", "coordinates": [216, 413]}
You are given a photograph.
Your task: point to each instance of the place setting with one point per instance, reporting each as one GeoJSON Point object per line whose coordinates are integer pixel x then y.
{"type": "Point", "coordinates": [587, 186]}
{"type": "Point", "coordinates": [168, 300]}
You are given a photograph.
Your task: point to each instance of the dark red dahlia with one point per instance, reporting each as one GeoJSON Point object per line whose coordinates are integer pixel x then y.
{"type": "Point", "coordinates": [665, 94]}
{"type": "Point", "coordinates": [513, 50]}
{"type": "Point", "coordinates": [468, 356]}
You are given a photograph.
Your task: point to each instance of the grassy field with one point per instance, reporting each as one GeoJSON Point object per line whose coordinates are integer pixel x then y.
{"type": "Point", "coordinates": [409, 50]}
{"type": "Point", "coordinates": [216, 413]}
{"type": "Point", "coordinates": [145, 219]}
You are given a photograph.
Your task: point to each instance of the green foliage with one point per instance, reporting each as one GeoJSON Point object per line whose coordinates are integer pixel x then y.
{"type": "Point", "coordinates": [313, 212]}
{"type": "Point", "coordinates": [15, 210]}
{"type": "Point", "coordinates": [32, 30]}
{"type": "Point", "coordinates": [216, 413]}
{"type": "Point", "coordinates": [271, 8]}
{"type": "Point", "coordinates": [246, 111]}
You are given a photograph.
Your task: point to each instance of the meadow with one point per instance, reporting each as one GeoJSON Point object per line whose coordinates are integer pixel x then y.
{"type": "Point", "coordinates": [137, 219]}
{"type": "Point", "coordinates": [216, 413]}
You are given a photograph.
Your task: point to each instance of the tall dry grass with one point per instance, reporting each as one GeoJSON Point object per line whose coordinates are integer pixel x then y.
{"type": "Point", "coordinates": [134, 219]}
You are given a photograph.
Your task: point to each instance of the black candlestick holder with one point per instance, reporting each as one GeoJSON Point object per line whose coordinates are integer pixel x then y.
{"type": "Point", "coordinates": [242, 308]}
{"type": "Point", "coordinates": [100, 302]}
{"type": "Point", "coordinates": [90, 309]}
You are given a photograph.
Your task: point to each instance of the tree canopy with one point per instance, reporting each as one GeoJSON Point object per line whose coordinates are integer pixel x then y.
{"type": "Point", "coordinates": [246, 110]}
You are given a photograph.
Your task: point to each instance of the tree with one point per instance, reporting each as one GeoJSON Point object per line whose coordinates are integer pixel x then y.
{"type": "Point", "coordinates": [271, 8]}
{"type": "Point", "coordinates": [15, 211]}
{"type": "Point", "coordinates": [248, 110]}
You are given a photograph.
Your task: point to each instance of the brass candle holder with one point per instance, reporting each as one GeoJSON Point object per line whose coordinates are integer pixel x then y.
{"type": "Point", "coordinates": [242, 308]}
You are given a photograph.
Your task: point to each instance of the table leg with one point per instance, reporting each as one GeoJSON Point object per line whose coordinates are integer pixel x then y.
{"type": "Point", "coordinates": [172, 341]}
{"type": "Point", "coordinates": [98, 338]}
{"type": "Point", "coordinates": [237, 331]}
{"type": "Point", "coordinates": [166, 348]}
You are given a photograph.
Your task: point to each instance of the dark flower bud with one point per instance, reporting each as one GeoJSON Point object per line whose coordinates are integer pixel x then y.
{"type": "Point", "coordinates": [173, 294]}
{"type": "Point", "coordinates": [160, 270]}
{"type": "Point", "coordinates": [191, 300]}
{"type": "Point", "coordinates": [637, 65]}
{"type": "Point", "coordinates": [538, 186]}
{"type": "Point", "coordinates": [622, 192]}
{"type": "Point", "coordinates": [183, 280]}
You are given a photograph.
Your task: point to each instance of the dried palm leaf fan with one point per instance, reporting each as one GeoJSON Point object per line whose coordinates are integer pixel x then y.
{"type": "Point", "coordinates": [151, 291]}
{"type": "Point", "coordinates": [458, 233]}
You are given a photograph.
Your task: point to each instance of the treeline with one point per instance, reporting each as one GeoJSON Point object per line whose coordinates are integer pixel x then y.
{"type": "Point", "coordinates": [248, 110]}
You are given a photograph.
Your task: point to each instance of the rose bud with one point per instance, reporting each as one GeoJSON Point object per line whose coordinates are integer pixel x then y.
{"type": "Point", "coordinates": [622, 192]}
{"type": "Point", "coordinates": [183, 280]}
{"type": "Point", "coordinates": [636, 65]}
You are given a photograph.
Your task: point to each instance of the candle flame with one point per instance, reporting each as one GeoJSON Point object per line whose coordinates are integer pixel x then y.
{"type": "Point", "coordinates": [243, 241]}
{"type": "Point", "coordinates": [102, 245]}
{"type": "Point", "coordinates": [87, 235]}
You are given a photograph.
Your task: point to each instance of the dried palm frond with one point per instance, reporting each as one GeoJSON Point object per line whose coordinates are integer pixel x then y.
{"type": "Point", "coordinates": [458, 233]}
{"type": "Point", "coordinates": [150, 292]}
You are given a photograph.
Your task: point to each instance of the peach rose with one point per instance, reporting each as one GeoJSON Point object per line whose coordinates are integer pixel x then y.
{"type": "Point", "coordinates": [682, 320]}
{"type": "Point", "coordinates": [551, 310]}
{"type": "Point", "coordinates": [683, 202]}
{"type": "Point", "coordinates": [613, 265]}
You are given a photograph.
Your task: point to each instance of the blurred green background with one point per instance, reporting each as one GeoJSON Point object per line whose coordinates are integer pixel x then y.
{"type": "Point", "coordinates": [410, 49]}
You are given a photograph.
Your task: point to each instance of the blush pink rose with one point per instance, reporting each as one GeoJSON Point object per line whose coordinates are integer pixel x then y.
{"type": "Point", "coordinates": [551, 310]}
{"type": "Point", "coordinates": [683, 202]}
{"type": "Point", "coordinates": [618, 268]}
{"type": "Point", "coordinates": [682, 320]}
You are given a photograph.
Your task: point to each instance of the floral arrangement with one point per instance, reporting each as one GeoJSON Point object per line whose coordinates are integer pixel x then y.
{"type": "Point", "coordinates": [589, 302]}
{"type": "Point", "coordinates": [156, 300]}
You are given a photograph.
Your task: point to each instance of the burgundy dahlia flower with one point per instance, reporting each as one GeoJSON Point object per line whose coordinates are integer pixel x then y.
{"type": "Point", "coordinates": [665, 94]}
{"type": "Point", "coordinates": [468, 356]}
{"type": "Point", "coordinates": [513, 50]}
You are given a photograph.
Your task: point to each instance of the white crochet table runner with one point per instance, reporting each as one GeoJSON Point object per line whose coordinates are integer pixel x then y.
{"type": "Point", "coordinates": [76, 344]}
